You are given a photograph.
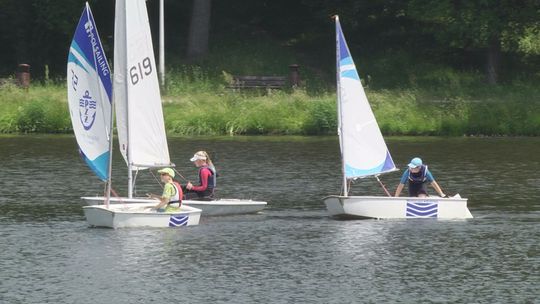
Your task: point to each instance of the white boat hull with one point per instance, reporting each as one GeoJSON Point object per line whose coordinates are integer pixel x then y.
{"type": "Point", "coordinates": [139, 215]}
{"type": "Point", "coordinates": [227, 206]}
{"type": "Point", "coordinates": [397, 207]}
{"type": "Point", "coordinates": [212, 208]}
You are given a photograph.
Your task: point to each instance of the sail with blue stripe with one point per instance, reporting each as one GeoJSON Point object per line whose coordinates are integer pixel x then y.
{"type": "Point", "coordinates": [89, 89]}
{"type": "Point", "coordinates": [363, 149]}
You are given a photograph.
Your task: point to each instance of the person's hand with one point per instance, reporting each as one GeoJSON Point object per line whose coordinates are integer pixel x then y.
{"type": "Point", "coordinates": [189, 186]}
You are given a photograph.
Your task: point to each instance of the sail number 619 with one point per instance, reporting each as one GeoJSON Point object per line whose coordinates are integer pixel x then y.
{"type": "Point", "coordinates": [140, 70]}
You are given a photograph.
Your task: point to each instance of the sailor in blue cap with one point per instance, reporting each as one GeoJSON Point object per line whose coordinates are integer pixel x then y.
{"type": "Point", "coordinates": [417, 176]}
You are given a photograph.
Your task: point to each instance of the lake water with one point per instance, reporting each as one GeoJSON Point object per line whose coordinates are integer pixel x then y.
{"type": "Point", "coordinates": [291, 253]}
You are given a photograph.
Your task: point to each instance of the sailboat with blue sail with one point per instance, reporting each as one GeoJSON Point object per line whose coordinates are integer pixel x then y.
{"type": "Point", "coordinates": [92, 94]}
{"type": "Point", "coordinates": [364, 154]}
{"type": "Point", "coordinates": [139, 116]}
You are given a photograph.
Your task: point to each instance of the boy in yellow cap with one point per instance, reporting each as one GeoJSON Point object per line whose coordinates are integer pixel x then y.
{"type": "Point", "coordinates": [172, 191]}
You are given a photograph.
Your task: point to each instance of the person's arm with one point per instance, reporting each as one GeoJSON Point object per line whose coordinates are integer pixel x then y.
{"type": "Point", "coordinates": [399, 189]}
{"type": "Point", "coordinates": [434, 184]}
{"type": "Point", "coordinates": [205, 175]}
{"type": "Point", "coordinates": [163, 202]}
{"type": "Point", "coordinates": [153, 196]}
{"type": "Point", "coordinates": [168, 191]}
{"type": "Point", "coordinates": [437, 188]}
{"type": "Point", "coordinates": [402, 182]}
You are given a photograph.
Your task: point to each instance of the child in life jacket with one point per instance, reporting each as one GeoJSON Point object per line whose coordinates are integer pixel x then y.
{"type": "Point", "coordinates": [172, 192]}
{"type": "Point", "coordinates": [207, 178]}
{"type": "Point", "coordinates": [417, 176]}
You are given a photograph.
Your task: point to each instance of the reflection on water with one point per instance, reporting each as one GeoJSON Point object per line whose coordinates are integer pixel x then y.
{"type": "Point", "coordinates": [292, 252]}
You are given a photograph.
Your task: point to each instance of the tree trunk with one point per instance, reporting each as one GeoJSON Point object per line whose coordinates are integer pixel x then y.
{"type": "Point", "coordinates": [493, 60]}
{"type": "Point", "coordinates": [199, 29]}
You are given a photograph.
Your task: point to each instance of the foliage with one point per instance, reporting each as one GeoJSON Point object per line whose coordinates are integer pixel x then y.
{"type": "Point", "coordinates": [41, 109]}
{"type": "Point", "coordinates": [390, 40]}
{"type": "Point", "coordinates": [209, 109]}
{"type": "Point", "coordinates": [472, 24]}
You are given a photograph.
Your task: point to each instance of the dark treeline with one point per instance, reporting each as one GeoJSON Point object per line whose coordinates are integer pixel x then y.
{"type": "Point", "coordinates": [498, 39]}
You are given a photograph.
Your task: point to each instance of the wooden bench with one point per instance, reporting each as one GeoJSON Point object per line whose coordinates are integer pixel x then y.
{"type": "Point", "coordinates": [258, 82]}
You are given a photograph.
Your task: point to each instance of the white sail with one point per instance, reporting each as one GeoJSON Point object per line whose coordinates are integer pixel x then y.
{"type": "Point", "coordinates": [139, 115]}
{"type": "Point", "coordinates": [363, 148]}
{"type": "Point", "coordinates": [89, 94]}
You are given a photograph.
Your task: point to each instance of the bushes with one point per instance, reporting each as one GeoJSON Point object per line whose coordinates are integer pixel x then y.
{"type": "Point", "coordinates": [39, 110]}
{"type": "Point", "coordinates": [233, 113]}
{"type": "Point", "coordinates": [207, 109]}
{"type": "Point", "coordinates": [321, 117]}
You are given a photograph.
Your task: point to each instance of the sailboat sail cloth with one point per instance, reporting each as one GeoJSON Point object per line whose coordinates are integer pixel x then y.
{"type": "Point", "coordinates": [89, 94]}
{"type": "Point", "coordinates": [139, 115]}
{"type": "Point", "coordinates": [363, 148]}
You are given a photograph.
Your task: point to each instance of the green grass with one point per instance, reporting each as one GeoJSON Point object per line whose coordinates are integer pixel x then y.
{"type": "Point", "coordinates": [40, 109]}
{"type": "Point", "coordinates": [202, 106]}
{"type": "Point", "coordinates": [232, 114]}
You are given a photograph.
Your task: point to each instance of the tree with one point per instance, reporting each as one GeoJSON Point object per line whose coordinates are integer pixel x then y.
{"type": "Point", "coordinates": [199, 29]}
{"type": "Point", "coordinates": [492, 26]}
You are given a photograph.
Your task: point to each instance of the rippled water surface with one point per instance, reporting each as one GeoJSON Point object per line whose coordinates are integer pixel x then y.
{"type": "Point", "coordinates": [291, 253]}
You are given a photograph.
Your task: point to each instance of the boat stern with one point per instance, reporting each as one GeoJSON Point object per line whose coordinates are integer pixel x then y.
{"type": "Point", "coordinates": [397, 207]}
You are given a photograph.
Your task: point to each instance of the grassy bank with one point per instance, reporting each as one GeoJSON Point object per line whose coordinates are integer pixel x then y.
{"type": "Point", "coordinates": [206, 108]}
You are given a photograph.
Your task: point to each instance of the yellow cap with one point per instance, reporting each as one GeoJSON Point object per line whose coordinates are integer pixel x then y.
{"type": "Point", "coordinates": [168, 171]}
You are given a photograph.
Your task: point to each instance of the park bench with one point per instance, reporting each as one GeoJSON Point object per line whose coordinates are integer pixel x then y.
{"type": "Point", "coordinates": [258, 82]}
{"type": "Point", "coordinates": [267, 82]}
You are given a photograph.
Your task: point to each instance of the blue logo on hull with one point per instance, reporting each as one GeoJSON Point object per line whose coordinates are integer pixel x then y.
{"type": "Point", "coordinates": [178, 220]}
{"type": "Point", "coordinates": [422, 209]}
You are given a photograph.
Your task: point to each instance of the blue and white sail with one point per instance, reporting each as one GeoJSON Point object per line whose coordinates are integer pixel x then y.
{"type": "Point", "coordinates": [89, 89]}
{"type": "Point", "coordinates": [363, 149]}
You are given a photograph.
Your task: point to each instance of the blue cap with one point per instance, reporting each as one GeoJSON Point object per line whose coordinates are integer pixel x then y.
{"type": "Point", "coordinates": [415, 162]}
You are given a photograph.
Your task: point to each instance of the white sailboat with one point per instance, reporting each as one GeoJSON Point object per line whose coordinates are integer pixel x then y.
{"type": "Point", "coordinates": [140, 125]}
{"type": "Point", "coordinates": [139, 117]}
{"type": "Point", "coordinates": [210, 208]}
{"type": "Point", "coordinates": [364, 154]}
{"type": "Point", "coordinates": [227, 206]}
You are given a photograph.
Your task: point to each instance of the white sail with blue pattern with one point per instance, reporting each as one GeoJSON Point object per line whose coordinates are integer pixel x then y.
{"type": "Point", "coordinates": [89, 89]}
{"type": "Point", "coordinates": [363, 149]}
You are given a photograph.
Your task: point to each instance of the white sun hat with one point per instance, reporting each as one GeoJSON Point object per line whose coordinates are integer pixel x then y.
{"type": "Point", "coordinates": [198, 156]}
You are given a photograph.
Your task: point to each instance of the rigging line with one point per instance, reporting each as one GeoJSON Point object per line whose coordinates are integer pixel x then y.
{"type": "Point", "coordinates": [383, 186]}
{"type": "Point", "coordinates": [181, 176]}
{"type": "Point", "coordinates": [156, 179]}
{"type": "Point", "coordinates": [134, 180]}
{"type": "Point", "coordinates": [118, 197]}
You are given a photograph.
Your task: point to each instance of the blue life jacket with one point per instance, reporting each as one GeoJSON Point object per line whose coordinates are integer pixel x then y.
{"type": "Point", "coordinates": [420, 177]}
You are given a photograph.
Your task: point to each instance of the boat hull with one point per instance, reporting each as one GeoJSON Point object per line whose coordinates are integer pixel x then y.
{"type": "Point", "coordinates": [139, 215]}
{"type": "Point", "coordinates": [227, 206]}
{"type": "Point", "coordinates": [397, 207]}
{"type": "Point", "coordinates": [211, 208]}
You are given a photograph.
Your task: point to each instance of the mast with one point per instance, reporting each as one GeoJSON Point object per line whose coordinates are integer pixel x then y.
{"type": "Point", "coordinates": [126, 88]}
{"type": "Point", "coordinates": [109, 181]}
{"type": "Point", "coordinates": [339, 112]}
{"type": "Point", "coordinates": [161, 44]}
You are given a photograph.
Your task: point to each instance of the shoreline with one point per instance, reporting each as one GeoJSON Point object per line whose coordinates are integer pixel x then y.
{"type": "Point", "coordinates": [399, 112]}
